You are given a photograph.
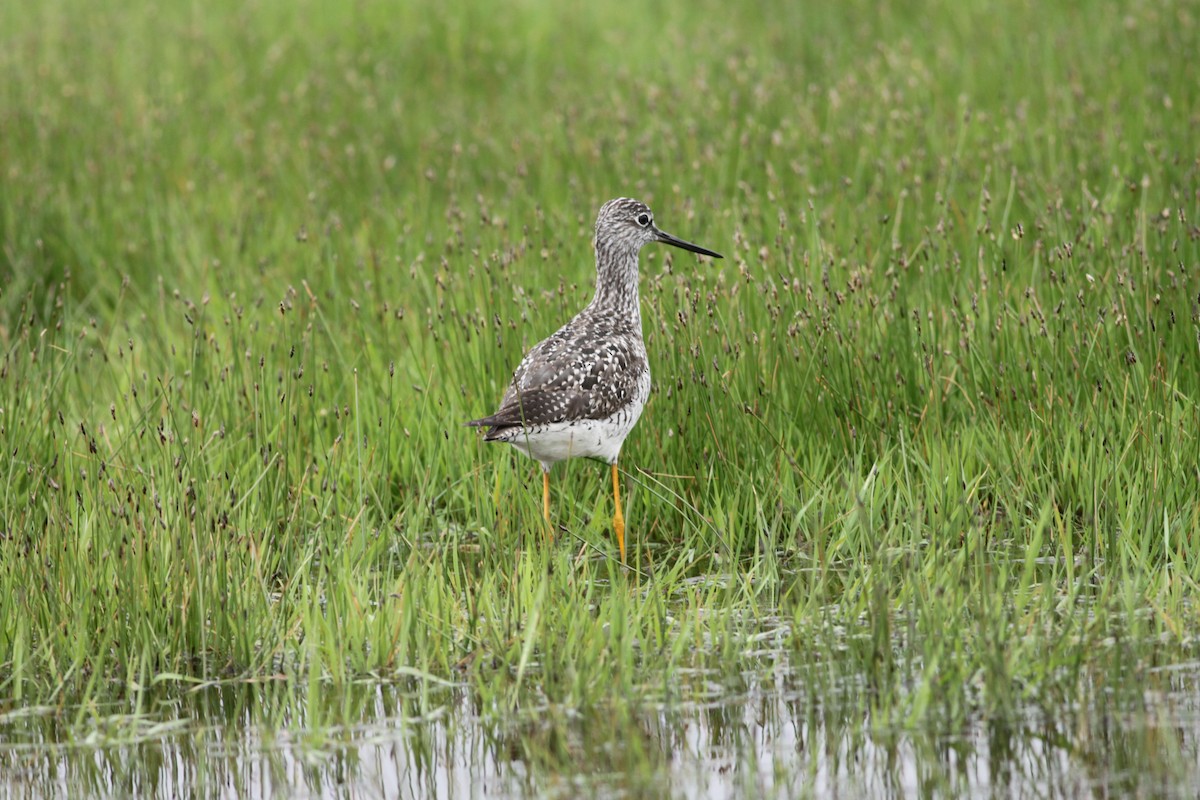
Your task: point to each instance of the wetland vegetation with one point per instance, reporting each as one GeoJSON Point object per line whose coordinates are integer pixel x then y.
{"type": "Point", "coordinates": [912, 510]}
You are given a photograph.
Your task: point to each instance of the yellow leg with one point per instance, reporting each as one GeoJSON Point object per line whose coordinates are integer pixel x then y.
{"type": "Point", "coordinates": [618, 514]}
{"type": "Point", "coordinates": [546, 502]}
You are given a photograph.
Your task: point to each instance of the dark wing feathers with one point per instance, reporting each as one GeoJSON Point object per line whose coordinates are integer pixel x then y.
{"type": "Point", "coordinates": [569, 376]}
{"type": "Point", "coordinates": [537, 407]}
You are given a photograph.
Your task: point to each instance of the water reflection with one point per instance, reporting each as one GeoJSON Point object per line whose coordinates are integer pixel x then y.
{"type": "Point", "coordinates": [751, 738]}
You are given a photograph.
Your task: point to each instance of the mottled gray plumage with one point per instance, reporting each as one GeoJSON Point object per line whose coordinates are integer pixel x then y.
{"type": "Point", "coordinates": [585, 370]}
{"type": "Point", "coordinates": [580, 391]}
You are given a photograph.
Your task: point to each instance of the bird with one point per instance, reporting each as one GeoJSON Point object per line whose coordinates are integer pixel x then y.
{"type": "Point", "coordinates": [580, 391]}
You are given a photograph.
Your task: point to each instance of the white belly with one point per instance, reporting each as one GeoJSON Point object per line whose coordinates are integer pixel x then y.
{"type": "Point", "coordinates": [592, 438]}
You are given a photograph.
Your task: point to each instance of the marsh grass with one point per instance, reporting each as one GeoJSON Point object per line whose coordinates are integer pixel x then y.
{"type": "Point", "coordinates": [929, 430]}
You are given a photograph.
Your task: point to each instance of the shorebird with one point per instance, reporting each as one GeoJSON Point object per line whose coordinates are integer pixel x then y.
{"type": "Point", "coordinates": [579, 392]}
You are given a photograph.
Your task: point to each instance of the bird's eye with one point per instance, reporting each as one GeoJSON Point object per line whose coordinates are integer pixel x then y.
{"type": "Point", "coordinates": [643, 219]}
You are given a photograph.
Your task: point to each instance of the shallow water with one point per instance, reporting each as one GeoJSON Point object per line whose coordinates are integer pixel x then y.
{"type": "Point", "coordinates": [762, 735]}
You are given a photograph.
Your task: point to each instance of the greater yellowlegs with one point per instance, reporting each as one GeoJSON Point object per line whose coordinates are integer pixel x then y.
{"type": "Point", "coordinates": [580, 391]}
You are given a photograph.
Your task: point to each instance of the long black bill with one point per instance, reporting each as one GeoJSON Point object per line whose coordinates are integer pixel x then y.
{"type": "Point", "coordinates": [675, 241]}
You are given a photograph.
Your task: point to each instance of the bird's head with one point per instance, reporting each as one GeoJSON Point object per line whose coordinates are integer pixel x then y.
{"type": "Point", "coordinates": [628, 224]}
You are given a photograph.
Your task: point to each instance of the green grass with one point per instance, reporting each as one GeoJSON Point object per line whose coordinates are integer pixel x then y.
{"type": "Point", "coordinates": [930, 428]}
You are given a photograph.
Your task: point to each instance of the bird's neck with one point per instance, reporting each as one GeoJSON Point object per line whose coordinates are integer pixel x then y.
{"type": "Point", "coordinates": [617, 284]}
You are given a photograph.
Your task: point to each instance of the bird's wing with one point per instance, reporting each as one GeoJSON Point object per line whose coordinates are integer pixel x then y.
{"type": "Point", "coordinates": [567, 378]}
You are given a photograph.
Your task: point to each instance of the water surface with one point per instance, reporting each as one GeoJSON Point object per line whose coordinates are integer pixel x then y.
{"type": "Point", "coordinates": [765, 734]}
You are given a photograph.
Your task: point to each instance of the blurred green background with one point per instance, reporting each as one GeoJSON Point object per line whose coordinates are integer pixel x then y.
{"type": "Point", "coordinates": [930, 427]}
